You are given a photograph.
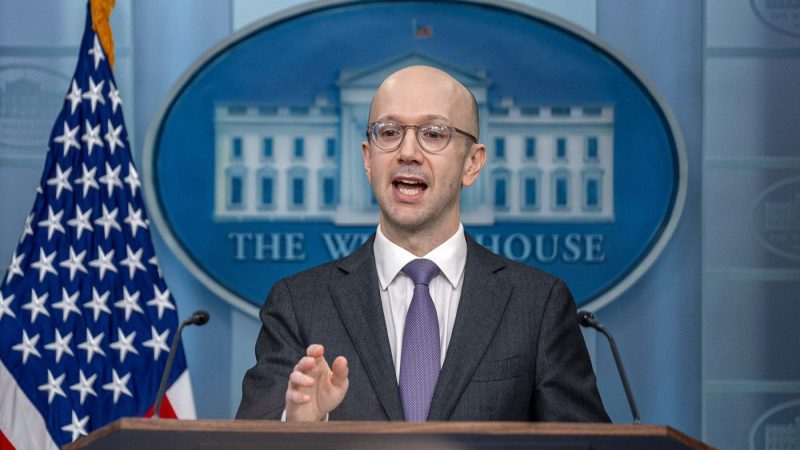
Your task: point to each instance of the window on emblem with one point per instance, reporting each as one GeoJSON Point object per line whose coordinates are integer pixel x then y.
{"type": "Point", "coordinates": [500, 186]}
{"type": "Point", "coordinates": [330, 148]}
{"type": "Point", "coordinates": [561, 149]}
{"type": "Point", "coordinates": [298, 191]}
{"type": "Point", "coordinates": [236, 149]}
{"type": "Point", "coordinates": [266, 148]}
{"type": "Point", "coordinates": [235, 195]}
{"type": "Point", "coordinates": [560, 190]}
{"type": "Point", "coordinates": [591, 149]}
{"type": "Point", "coordinates": [500, 148]}
{"type": "Point", "coordinates": [530, 148]}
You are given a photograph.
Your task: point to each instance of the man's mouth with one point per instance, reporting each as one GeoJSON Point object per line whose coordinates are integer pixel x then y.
{"type": "Point", "coordinates": [409, 186]}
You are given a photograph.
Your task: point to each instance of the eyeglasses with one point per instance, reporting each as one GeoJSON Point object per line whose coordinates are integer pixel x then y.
{"type": "Point", "coordinates": [432, 137]}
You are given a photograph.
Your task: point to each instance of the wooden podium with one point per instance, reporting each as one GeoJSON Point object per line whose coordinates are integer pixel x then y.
{"type": "Point", "coordinates": [244, 434]}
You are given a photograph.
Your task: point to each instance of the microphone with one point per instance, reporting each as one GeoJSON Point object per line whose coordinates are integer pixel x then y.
{"type": "Point", "coordinates": [198, 318]}
{"type": "Point", "coordinates": [587, 319]}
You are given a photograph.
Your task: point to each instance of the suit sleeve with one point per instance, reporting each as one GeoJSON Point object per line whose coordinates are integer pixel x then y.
{"type": "Point", "coordinates": [566, 388]}
{"type": "Point", "coordinates": [278, 348]}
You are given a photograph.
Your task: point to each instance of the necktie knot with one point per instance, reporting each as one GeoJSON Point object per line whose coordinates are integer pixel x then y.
{"type": "Point", "coordinates": [421, 271]}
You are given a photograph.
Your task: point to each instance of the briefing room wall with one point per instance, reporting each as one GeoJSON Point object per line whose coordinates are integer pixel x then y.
{"type": "Point", "coordinates": [657, 322]}
{"type": "Point", "coordinates": [751, 225]}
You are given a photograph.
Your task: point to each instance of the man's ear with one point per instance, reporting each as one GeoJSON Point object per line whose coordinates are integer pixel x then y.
{"type": "Point", "coordinates": [367, 155]}
{"type": "Point", "coordinates": [473, 164]}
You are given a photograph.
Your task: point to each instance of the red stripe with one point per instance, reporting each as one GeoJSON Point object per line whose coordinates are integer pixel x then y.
{"type": "Point", "coordinates": [4, 444]}
{"type": "Point", "coordinates": [166, 411]}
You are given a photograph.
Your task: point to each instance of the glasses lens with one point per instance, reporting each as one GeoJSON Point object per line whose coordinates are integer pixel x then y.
{"type": "Point", "coordinates": [434, 137]}
{"type": "Point", "coordinates": [387, 135]}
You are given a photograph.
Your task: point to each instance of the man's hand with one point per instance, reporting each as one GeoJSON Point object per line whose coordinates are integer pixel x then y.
{"type": "Point", "coordinates": [315, 389]}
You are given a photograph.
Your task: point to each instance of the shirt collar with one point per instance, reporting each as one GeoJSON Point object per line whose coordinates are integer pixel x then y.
{"type": "Point", "coordinates": [450, 256]}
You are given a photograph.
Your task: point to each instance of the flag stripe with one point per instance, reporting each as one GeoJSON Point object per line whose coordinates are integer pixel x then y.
{"type": "Point", "coordinates": [180, 397]}
{"type": "Point", "coordinates": [21, 424]}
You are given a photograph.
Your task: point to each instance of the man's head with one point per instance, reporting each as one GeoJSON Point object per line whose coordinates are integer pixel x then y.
{"type": "Point", "coordinates": [419, 190]}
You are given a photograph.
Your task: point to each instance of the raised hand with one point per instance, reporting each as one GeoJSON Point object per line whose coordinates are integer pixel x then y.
{"type": "Point", "coordinates": [315, 389]}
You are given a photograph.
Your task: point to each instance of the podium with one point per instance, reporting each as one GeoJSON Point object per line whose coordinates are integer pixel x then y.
{"type": "Point", "coordinates": [256, 434]}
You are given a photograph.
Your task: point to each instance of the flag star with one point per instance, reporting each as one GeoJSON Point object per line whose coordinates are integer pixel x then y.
{"type": "Point", "coordinates": [134, 219]}
{"type": "Point", "coordinates": [95, 94]}
{"type": "Point", "coordinates": [124, 344]}
{"type": "Point", "coordinates": [81, 221]}
{"type": "Point", "coordinates": [74, 96]}
{"type": "Point", "coordinates": [53, 386]}
{"type": "Point", "coordinates": [15, 267]}
{"type": "Point", "coordinates": [5, 306]}
{"type": "Point", "coordinates": [60, 345]}
{"type": "Point", "coordinates": [160, 301]}
{"type": "Point", "coordinates": [28, 227]}
{"type": "Point", "coordinates": [112, 137]}
{"type": "Point", "coordinates": [87, 179]}
{"type": "Point", "coordinates": [154, 262]}
{"type": "Point", "coordinates": [97, 52]}
{"type": "Point", "coordinates": [104, 261]}
{"type": "Point", "coordinates": [113, 95]}
{"type": "Point", "coordinates": [129, 302]}
{"type": "Point", "coordinates": [108, 221]}
{"type": "Point", "coordinates": [91, 136]}
{"type": "Point", "coordinates": [67, 304]}
{"type": "Point", "coordinates": [36, 305]}
{"type": "Point", "coordinates": [98, 303]}
{"type": "Point", "coordinates": [27, 346]}
{"type": "Point", "coordinates": [61, 180]}
{"type": "Point", "coordinates": [132, 179]}
{"type": "Point", "coordinates": [74, 263]}
{"type": "Point", "coordinates": [92, 345]}
{"type": "Point", "coordinates": [68, 138]}
{"type": "Point", "coordinates": [44, 264]}
{"type": "Point", "coordinates": [111, 178]}
{"type": "Point", "coordinates": [118, 386]}
{"type": "Point", "coordinates": [85, 385]}
{"type": "Point", "coordinates": [77, 427]}
{"type": "Point", "coordinates": [158, 342]}
{"type": "Point", "coordinates": [53, 222]}
{"type": "Point", "coordinates": [133, 261]}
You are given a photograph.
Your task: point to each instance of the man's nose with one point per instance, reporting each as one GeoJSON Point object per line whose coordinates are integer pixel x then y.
{"type": "Point", "coordinates": [410, 149]}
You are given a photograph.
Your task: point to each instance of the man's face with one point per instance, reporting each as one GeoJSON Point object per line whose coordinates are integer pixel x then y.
{"type": "Point", "coordinates": [418, 191]}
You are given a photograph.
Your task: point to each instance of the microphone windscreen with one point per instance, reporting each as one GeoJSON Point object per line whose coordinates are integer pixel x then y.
{"type": "Point", "coordinates": [198, 318]}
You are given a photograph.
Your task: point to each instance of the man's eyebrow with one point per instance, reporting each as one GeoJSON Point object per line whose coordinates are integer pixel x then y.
{"type": "Point", "coordinates": [426, 118]}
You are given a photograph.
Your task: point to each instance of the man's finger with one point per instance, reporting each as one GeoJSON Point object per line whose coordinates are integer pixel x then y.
{"type": "Point", "coordinates": [315, 350]}
{"type": "Point", "coordinates": [340, 372]}
{"type": "Point", "coordinates": [297, 397]}
{"type": "Point", "coordinates": [306, 364]}
{"type": "Point", "coordinates": [300, 379]}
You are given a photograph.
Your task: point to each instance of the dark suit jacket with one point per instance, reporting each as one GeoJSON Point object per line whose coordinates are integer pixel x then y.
{"type": "Point", "coordinates": [516, 352]}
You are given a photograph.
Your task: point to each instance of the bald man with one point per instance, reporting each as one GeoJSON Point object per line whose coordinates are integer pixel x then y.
{"type": "Point", "coordinates": [423, 323]}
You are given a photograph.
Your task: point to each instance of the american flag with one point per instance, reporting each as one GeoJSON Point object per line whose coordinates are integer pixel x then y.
{"type": "Point", "coordinates": [86, 319]}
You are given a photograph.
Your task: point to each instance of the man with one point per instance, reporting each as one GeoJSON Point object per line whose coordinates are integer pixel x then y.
{"type": "Point", "coordinates": [425, 323]}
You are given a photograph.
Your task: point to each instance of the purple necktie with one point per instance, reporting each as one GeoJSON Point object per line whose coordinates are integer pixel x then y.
{"type": "Point", "coordinates": [420, 358]}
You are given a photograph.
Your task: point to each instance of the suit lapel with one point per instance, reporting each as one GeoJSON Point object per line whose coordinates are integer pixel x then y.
{"type": "Point", "coordinates": [357, 299]}
{"type": "Point", "coordinates": [480, 310]}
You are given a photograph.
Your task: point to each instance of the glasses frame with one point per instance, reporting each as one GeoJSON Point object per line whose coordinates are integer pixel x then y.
{"type": "Point", "coordinates": [371, 128]}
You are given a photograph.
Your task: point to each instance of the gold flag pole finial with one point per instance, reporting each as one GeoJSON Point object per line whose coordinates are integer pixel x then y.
{"type": "Point", "coordinates": [101, 12]}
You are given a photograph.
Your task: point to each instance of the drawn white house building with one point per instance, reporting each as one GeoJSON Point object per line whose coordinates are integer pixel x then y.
{"type": "Point", "coordinates": [782, 437]}
{"type": "Point", "coordinates": [303, 163]}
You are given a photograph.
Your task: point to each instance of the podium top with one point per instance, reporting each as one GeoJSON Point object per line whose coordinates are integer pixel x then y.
{"type": "Point", "coordinates": [166, 433]}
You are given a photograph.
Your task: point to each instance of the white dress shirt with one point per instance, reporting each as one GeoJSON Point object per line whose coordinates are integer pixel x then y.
{"type": "Point", "coordinates": [397, 288]}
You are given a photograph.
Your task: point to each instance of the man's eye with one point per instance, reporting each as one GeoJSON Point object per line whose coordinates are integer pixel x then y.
{"type": "Point", "coordinates": [434, 134]}
{"type": "Point", "coordinates": [388, 133]}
